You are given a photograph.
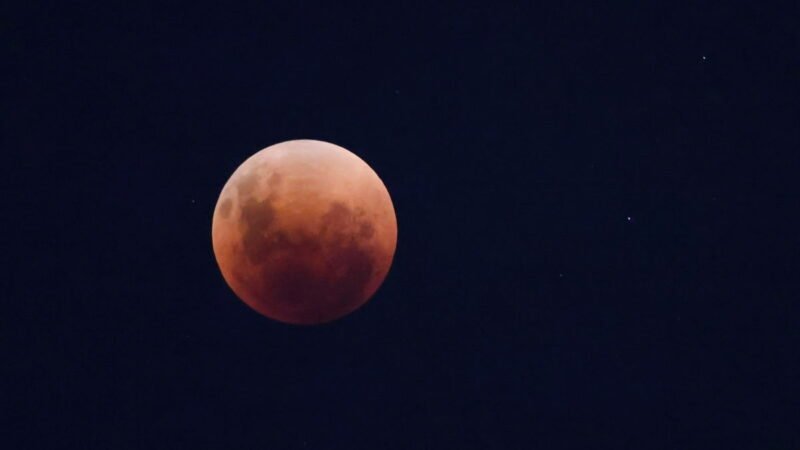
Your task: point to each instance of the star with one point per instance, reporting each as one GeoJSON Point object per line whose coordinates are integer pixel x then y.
{"type": "Point", "coordinates": [629, 218]}
{"type": "Point", "coordinates": [704, 57]}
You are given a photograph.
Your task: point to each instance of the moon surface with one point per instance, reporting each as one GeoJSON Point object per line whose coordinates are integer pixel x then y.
{"type": "Point", "coordinates": [304, 232]}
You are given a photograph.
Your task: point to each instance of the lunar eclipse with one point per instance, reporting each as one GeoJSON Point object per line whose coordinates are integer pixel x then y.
{"type": "Point", "coordinates": [304, 232]}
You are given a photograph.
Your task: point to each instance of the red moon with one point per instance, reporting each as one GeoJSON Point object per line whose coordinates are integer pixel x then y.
{"type": "Point", "coordinates": [304, 232]}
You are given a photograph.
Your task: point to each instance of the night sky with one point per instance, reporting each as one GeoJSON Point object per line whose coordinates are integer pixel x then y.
{"type": "Point", "coordinates": [596, 206]}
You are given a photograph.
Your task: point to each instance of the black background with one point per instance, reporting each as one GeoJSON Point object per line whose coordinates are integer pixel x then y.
{"type": "Point", "coordinates": [597, 245]}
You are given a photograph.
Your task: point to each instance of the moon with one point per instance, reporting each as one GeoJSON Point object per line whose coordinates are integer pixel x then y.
{"type": "Point", "coordinates": [304, 232]}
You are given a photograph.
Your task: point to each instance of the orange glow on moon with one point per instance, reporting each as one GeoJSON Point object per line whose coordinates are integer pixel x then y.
{"type": "Point", "coordinates": [304, 232]}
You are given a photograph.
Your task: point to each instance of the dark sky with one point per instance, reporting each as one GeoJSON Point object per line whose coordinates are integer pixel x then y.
{"type": "Point", "coordinates": [596, 208]}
